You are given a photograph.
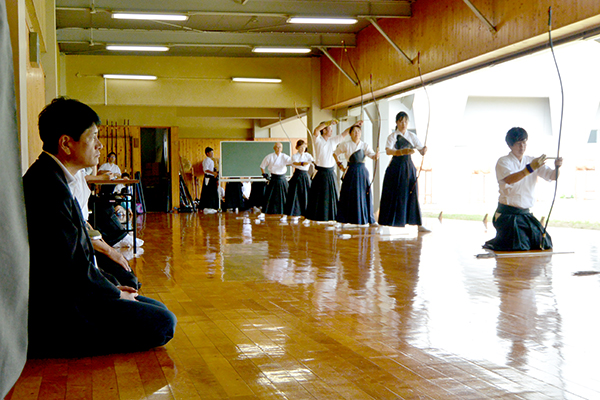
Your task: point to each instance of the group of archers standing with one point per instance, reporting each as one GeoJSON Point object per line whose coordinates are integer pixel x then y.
{"type": "Point", "coordinates": [517, 228]}
{"type": "Point", "coordinates": [317, 199]}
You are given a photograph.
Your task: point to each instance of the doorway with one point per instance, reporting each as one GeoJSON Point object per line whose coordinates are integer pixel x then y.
{"type": "Point", "coordinates": [156, 168]}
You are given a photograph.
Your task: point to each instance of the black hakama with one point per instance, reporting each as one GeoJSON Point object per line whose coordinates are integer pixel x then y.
{"type": "Point", "coordinates": [297, 200]}
{"type": "Point", "coordinates": [209, 198]}
{"type": "Point", "coordinates": [323, 196]}
{"type": "Point", "coordinates": [355, 206]}
{"type": "Point", "coordinates": [517, 230]}
{"type": "Point", "coordinates": [257, 194]}
{"type": "Point", "coordinates": [400, 195]}
{"type": "Point", "coordinates": [234, 198]}
{"type": "Point", "coordinates": [275, 194]}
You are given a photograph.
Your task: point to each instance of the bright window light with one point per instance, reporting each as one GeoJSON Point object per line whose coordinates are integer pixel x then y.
{"type": "Point", "coordinates": [115, 47]}
{"type": "Point", "coordinates": [296, 50]}
{"type": "Point", "coordinates": [256, 80]}
{"type": "Point", "coordinates": [332, 21]}
{"type": "Point", "coordinates": [150, 17]}
{"type": "Point", "coordinates": [133, 77]}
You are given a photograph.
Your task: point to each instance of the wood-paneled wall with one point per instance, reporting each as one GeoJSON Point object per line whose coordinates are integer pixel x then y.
{"type": "Point", "coordinates": [450, 39]}
{"type": "Point", "coordinates": [192, 150]}
{"type": "Point", "coordinates": [36, 100]}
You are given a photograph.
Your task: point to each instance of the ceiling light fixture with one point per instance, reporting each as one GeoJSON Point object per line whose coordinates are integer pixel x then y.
{"type": "Point", "coordinates": [256, 80]}
{"type": "Point", "coordinates": [118, 47]}
{"type": "Point", "coordinates": [328, 21]}
{"type": "Point", "coordinates": [294, 50]}
{"type": "Point", "coordinates": [133, 77]}
{"type": "Point", "coordinates": [150, 17]}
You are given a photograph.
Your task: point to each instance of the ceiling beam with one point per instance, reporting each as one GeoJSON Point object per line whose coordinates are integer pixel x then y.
{"type": "Point", "coordinates": [325, 8]}
{"type": "Point", "coordinates": [206, 39]}
{"type": "Point", "coordinates": [324, 50]}
{"type": "Point", "coordinates": [263, 114]}
{"type": "Point", "coordinates": [389, 39]}
{"type": "Point", "coordinates": [481, 17]}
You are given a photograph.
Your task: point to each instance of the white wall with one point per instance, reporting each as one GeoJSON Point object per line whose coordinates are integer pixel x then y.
{"type": "Point", "coordinates": [471, 114]}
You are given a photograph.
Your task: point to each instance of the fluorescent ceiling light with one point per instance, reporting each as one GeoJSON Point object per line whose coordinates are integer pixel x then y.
{"type": "Point", "coordinates": [257, 80]}
{"type": "Point", "coordinates": [331, 21]}
{"type": "Point", "coordinates": [150, 17]}
{"type": "Point", "coordinates": [298, 50]}
{"type": "Point", "coordinates": [134, 77]}
{"type": "Point", "coordinates": [119, 47]}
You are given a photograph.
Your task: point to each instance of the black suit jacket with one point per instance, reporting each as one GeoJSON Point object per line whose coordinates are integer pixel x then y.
{"type": "Point", "coordinates": [63, 275]}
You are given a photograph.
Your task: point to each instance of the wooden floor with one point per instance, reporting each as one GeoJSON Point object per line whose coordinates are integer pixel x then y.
{"type": "Point", "coordinates": [270, 311]}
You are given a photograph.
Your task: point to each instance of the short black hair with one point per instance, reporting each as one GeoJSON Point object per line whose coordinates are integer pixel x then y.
{"type": "Point", "coordinates": [515, 135]}
{"type": "Point", "coordinates": [64, 116]}
{"type": "Point", "coordinates": [401, 115]}
{"type": "Point", "coordinates": [353, 127]}
{"type": "Point", "coordinates": [208, 150]}
{"type": "Point", "coordinates": [112, 153]}
{"type": "Point", "coordinates": [299, 143]}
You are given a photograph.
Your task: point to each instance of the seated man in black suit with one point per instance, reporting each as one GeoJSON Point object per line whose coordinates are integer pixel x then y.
{"type": "Point", "coordinates": [73, 308]}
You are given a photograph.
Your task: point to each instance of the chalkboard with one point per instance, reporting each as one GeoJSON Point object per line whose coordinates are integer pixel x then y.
{"type": "Point", "coordinates": [241, 159]}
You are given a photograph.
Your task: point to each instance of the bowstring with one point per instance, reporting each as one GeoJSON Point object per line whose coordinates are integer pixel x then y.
{"type": "Point", "coordinates": [562, 107]}
{"type": "Point", "coordinates": [378, 128]}
{"type": "Point", "coordinates": [428, 118]}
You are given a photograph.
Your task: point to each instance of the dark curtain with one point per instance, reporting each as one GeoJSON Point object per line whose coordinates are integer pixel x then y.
{"type": "Point", "coordinates": [14, 249]}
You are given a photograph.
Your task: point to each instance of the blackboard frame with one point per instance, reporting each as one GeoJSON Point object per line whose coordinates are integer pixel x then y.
{"type": "Point", "coordinates": [232, 151]}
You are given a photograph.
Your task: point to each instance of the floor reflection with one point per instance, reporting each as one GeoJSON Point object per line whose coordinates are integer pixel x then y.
{"type": "Point", "coordinates": [296, 311]}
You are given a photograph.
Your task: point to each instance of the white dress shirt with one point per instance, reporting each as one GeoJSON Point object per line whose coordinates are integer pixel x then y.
{"type": "Point", "coordinates": [81, 191]}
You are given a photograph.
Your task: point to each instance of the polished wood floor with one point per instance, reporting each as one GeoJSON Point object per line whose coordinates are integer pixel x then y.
{"type": "Point", "coordinates": [271, 311]}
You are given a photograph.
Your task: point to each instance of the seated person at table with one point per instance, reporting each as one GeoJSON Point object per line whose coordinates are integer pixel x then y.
{"type": "Point", "coordinates": [110, 170]}
{"type": "Point", "coordinates": [110, 167]}
{"type": "Point", "coordinates": [516, 227]}
{"type": "Point", "coordinates": [73, 308]}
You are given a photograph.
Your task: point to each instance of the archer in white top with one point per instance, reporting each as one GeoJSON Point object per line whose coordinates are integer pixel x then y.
{"type": "Point", "coordinates": [390, 146]}
{"type": "Point", "coordinates": [517, 176]}
{"type": "Point", "coordinates": [352, 146]}
{"type": "Point", "coordinates": [325, 143]}
{"type": "Point", "coordinates": [208, 165]}
{"type": "Point", "coordinates": [517, 229]}
{"type": "Point", "coordinates": [276, 162]}
{"type": "Point", "coordinates": [302, 160]}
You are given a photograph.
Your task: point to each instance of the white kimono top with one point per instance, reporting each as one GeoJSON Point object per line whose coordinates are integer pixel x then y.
{"type": "Point", "coordinates": [520, 194]}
